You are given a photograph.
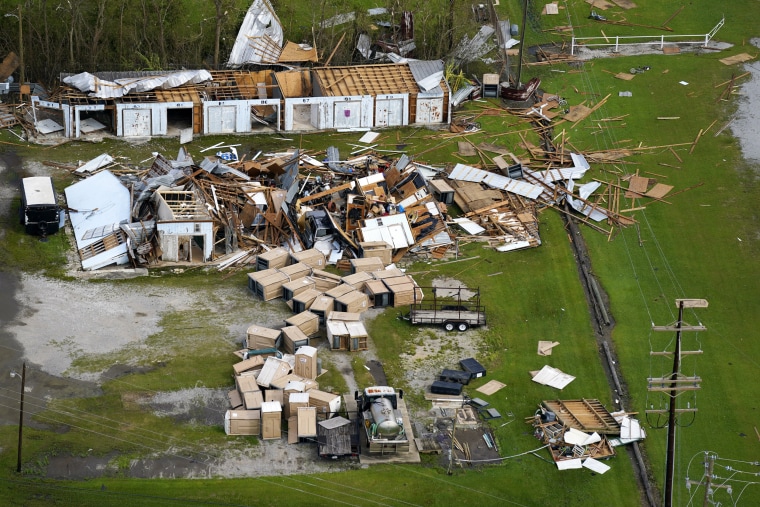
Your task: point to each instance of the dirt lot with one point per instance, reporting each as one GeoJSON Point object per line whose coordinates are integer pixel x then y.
{"type": "Point", "coordinates": [48, 323]}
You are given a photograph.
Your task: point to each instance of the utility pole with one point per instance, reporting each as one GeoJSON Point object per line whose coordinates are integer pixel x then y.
{"type": "Point", "coordinates": [673, 385]}
{"type": "Point", "coordinates": [20, 414]}
{"type": "Point", "coordinates": [707, 479]}
{"type": "Point", "coordinates": [21, 48]}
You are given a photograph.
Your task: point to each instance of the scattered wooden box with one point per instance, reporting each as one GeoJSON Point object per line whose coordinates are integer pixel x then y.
{"type": "Point", "coordinates": [324, 280]}
{"type": "Point", "coordinates": [256, 276]}
{"type": "Point", "coordinates": [441, 190]}
{"type": "Point", "coordinates": [242, 422]}
{"type": "Point", "coordinates": [379, 249]}
{"type": "Point", "coordinates": [368, 264]}
{"type": "Point", "coordinates": [404, 291]}
{"type": "Point", "coordinates": [277, 258]}
{"type": "Point", "coordinates": [248, 364]}
{"type": "Point", "coordinates": [326, 403]}
{"type": "Point", "coordinates": [270, 286]}
{"type": "Point", "coordinates": [307, 422]}
{"type": "Point", "coordinates": [358, 280]}
{"type": "Point", "coordinates": [260, 337]}
{"type": "Point", "coordinates": [321, 307]}
{"type": "Point", "coordinates": [306, 362]}
{"type": "Point", "coordinates": [345, 331]}
{"type": "Point", "coordinates": [306, 321]}
{"type": "Point", "coordinates": [339, 290]}
{"type": "Point", "coordinates": [297, 270]}
{"type": "Point", "coordinates": [296, 401]}
{"type": "Point", "coordinates": [382, 274]}
{"type": "Point", "coordinates": [271, 420]}
{"type": "Point", "coordinates": [236, 401]}
{"type": "Point", "coordinates": [253, 399]}
{"type": "Point", "coordinates": [378, 293]}
{"type": "Point", "coordinates": [296, 286]}
{"type": "Point", "coordinates": [273, 369]}
{"type": "Point", "coordinates": [353, 302]}
{"type": "Point", "coordinates": [293, 338]}
{"type": "Point", "coordinates": [303, 301]}
{"type": "Point", "coordinates": [246, 383]}
{"type": "Point", "coordinates": [312, 257]}
{"type": "Point", "coordinates": [274, 395]}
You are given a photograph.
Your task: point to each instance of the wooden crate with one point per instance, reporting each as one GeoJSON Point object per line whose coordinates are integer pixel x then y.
{"type": "Point", "coordinates": [382, 274]}
{"type": "Point", "coordinates": [339, 290]}
{"type": "Point", "coordinates": [295, 287]}
{"type": "Point", "coordinates": [276, 258]}
{"type": "Point", "coordinates": [358, 280]}
{"type": "Point", "coordinates": [293, 338]}
{"type": "Point", "coordinates": [307, 422]}
{"type": "Point", "coordinates": [306, 362]}
{"type": "Point", "coordinates": [297, 270]}
{"type": "Point", "coordinates": [326, 403]}
{"type": "Point", "coordinates": [270, 287]}
{"type": "Point", "coordinates": [378, 293]}
{"type": "Point", "coordinates": [306, 321]}
{"type": "Point", "coordinates": [324, 280]}
{"type": "Point", "coordinates": [253, 400]}
{"type": "Point", "coordinates": [277, 395]}
{"type": "Point", "coordinates": [260, 337]}
{"type": "Point", "coordinates": [247, 365]}
{"type": "Point", "coordinates": [296, 401]}
{"type": "Point", "coordinates": [379, 249]}
{"type": "Point", "coordinates": [321, 307]}
{"type": "Point", "coordinates": [312, 257]}
{"type": "Point", "coordinates": [368, 264]}
{"type": "Point", "coordinates": [254, 277]}
{"type": "Point", "coordinates": [242, 422]}
{"type": "Point", "coordinates": [302, 301]}
{"type": "Point", "coordinates": [352, 302]}
{"type": "Point", "coordinates": [271, 420]}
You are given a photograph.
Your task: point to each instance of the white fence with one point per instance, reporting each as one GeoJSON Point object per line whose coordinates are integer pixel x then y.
{"type": "Point", "coordinates": [648, 40]}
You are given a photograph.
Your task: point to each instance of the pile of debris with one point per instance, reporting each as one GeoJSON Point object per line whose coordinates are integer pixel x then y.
{"type": "Point", "coordinates": [580, 432]}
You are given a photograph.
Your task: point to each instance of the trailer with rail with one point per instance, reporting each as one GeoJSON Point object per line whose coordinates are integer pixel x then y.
{"type": "Point", "coordinates": [456, 308]}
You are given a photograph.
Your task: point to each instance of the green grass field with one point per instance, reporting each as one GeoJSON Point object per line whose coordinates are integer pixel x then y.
{"type": "Point", "coordinates": [703, 243]}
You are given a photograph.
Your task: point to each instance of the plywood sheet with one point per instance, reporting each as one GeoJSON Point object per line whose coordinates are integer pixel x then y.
{"type": "Point", "coordinates": [659, 191]}
{"type": "Point", "coordinates": [741, 57]}
{"type": "Point", "coordinates": [466, 149]}
{"type": "Point", "coordinates": [637, 186]}
{"type": "Point", "coordinates": [578, 113]}
{"type": "Point", "coordinates": [491, 387]}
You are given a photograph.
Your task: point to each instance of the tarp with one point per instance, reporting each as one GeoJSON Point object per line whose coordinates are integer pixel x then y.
{"type": "Point", "coordinates": [96, 87]}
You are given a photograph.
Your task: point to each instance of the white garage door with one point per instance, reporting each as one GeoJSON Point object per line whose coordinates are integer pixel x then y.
{"type": "Point", "coordinates": [137, 122]}
{"type": "Point", "coordinates": [221, 119]}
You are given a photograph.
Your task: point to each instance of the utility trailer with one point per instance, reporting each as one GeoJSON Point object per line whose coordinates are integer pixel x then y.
{"type": "Point", "coordinates": [456, 308]}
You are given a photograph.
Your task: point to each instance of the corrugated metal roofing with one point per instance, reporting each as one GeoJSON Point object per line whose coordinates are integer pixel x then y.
{"type": "Point", "coordinates": [464, 172]}
{"type": "Point", "coordinates": [260, 37]}
{"type": "Point", "coordinates": [428, 74]}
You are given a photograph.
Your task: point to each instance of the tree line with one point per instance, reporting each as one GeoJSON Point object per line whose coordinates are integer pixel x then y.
{"type": "Point", "coordinates": [72, 36]}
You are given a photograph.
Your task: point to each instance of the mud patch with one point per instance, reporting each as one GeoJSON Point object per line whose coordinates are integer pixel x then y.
{"type": "Point", "coordinates": [199, 405]}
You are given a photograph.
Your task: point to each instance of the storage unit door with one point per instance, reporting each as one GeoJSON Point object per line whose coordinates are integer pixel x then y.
{"type": "Point", "coordinates": [347, 114]}
{"type": "Point", "coordinates": [137, 122]}
{"type": "Point", "coordinates": [222, 119]}
{"type": "Point", "coordinates": [388, 112]}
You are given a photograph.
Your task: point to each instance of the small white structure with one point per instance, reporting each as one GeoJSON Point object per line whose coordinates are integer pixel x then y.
{"type": "Point", "coordinates": [183, 225]}
{"type": "Point", "coordinates": [98, 206]}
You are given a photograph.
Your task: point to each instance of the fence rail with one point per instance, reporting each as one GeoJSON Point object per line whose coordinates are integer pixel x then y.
{"type": "Point", "coordinates": [648, 40]}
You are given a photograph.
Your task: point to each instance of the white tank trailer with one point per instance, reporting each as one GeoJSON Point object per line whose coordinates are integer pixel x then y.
{"type": "Point", "coordinates": [382, 420]}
